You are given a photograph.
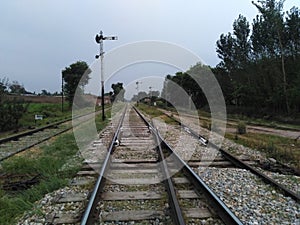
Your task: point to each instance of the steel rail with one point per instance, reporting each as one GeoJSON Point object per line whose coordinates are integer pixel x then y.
{"type": "Point", "coordinates": [33, 144]}
{"type": "Point", "coordinates": [88, 216]}
{"type": "Point", "coordinates": [29, 132]}
{"type": "Point", "coordinates": [26, 133]}
{"type": "Point", "coordinates": [239, 163]}
{"type": "Point", "coordinates": [226, 215]}
{"type": "Point", "coordinates": [173, 200]}
{"type": "Point", "coordinates": [175, 207]}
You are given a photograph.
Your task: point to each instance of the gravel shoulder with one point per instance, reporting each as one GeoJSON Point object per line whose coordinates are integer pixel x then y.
{"type": "Point", "coordinates": [253, 201]}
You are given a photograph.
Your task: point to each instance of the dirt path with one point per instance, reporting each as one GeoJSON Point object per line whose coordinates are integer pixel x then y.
{"type": "Point", "coordinates": [293, 134]}
{"type": "Point", "coordinates": [268, 130]}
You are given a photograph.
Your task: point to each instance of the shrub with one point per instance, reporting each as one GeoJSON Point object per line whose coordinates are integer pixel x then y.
{"type": "Point", "coordinates": [241, 128]}
{"type": "Point", "coordinates": [206, 125]}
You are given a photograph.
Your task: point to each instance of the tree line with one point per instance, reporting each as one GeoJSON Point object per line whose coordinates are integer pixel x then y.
{"type": "Point", "coordinates": [260, 67]}
{"type": "Point", "coordinates": [182, 88]}
{"type": "Point", "coordinates": [259, 72]}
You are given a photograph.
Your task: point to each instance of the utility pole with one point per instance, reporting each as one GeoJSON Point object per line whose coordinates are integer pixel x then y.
{"type": "Point", "coordinates": [150, 95]}
{"type": "Point", "coordinates": [62, 93]}
{"type": "Point", "coordinates": [99, 39]}
{"type": "Point", "coordinates": [137, 91]}
{"type": "Point", "coordinates": [190, 100]}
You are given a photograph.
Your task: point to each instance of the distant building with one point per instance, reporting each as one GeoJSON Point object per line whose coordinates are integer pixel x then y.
{"type": "Point", "coordinates": [107, 100]}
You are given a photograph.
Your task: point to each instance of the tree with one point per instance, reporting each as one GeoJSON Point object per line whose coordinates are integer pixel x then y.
{"type": "Point", "coordinates": [173, 87]}
{"type": "Point", "coordinates": [118, 92]}
{"type": "Point", "coordinates": [235, 52]}
{"type": "Point", "coordinates": [16, 109]}
{"type": "Point", "coordinates": [11, 110]}
{"type": "Point", "coordinates": [140, 96]}
{"type": "Point", "coordinates": [3, 85]}
{"type": "Point", "coordinates": [3, 88]}
{"type": "Point", "coordinates": [183, 87]}
{"type": "Point", "coordinates": [293, 32]}
{"type": "Point", "coordinates": [260, 69]}
{"type": "Point", "coordinates": [154, 94]}
{"type": "Point", "coordinates": [234, 49]}
{"type": "Point", "coordinates": [272, 16]}
{"type": "Point", "coordinates": [16, 88]}
{"type": "Point", "coordinates": [75, 77]}
{"type": "Point", "coordinates": [242, 47]}
{"type": "Point", "coordinates": [45, 93]}
{"type": "Point", "coordinates": [225, 46]}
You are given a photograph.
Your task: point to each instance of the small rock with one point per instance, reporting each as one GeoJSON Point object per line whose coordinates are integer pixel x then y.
{"type": "Point", "coordinates": [272, 160]}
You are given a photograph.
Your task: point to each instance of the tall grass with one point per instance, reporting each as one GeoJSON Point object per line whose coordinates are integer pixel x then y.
{"type": "Point", "coordinates": [283, 149]}
{"type": "Point", "coordinates": [48, 165]}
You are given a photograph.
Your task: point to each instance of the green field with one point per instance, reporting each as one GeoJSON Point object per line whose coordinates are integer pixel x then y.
{"type": "Point", "coordinates": [51, 112]}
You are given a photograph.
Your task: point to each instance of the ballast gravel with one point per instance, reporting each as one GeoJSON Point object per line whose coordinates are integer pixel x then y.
{"type": "Point", "coordinates": [253, 201]}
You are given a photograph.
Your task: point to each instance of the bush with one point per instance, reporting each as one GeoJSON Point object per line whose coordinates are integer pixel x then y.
{"type": "Point", "coordinates": [206, 125]}
{"type": "Point", "coordinates": [160, 104]}
{"type": "Point", "coordinates": [241, 128]}
{"type": "Point", "coordinates": [11, 113]}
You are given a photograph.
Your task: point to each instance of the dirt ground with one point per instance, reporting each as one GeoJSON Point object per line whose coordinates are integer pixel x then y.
{"type": "Point", "coordinates": [293, 134]}
{"type": "Point", "coordinates": [267, 130]}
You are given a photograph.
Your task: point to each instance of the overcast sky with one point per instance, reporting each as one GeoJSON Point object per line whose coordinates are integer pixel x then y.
{"type": "Point", "coordinates": [40, 38]}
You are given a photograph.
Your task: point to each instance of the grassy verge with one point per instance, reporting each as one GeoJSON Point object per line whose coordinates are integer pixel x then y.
{"type": "Point", "coordinates": [283, 149]}
{"type": "Point", "coordinates": [56, 163]}
{"type": "Point", "coordinates": [51, 112]}
{"type": "Point", "coordinates": [263, 122]}
{"type": "Point", "coordinates": [48, 163]}
{"type": "Point", "coordinates": [149, 110]}
{"type": "Point", "coordinates": [153, 112]}
{"type": "Point", "coordinates": [98, 120]}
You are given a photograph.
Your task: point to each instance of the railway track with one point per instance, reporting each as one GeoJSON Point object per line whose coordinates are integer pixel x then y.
{"type": "Point", "coordinates": [17, 143]}
{"type": "Point", "coordinates": [126, 184]}
{"type": "Point", "coordinates": [270, 166]}
{"type": "Point", "coordinates": [135, 185]}
{"type": "Point", "coordinates": [253, 198]}
{"type": "Point", "coordinates": [225, 159]}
